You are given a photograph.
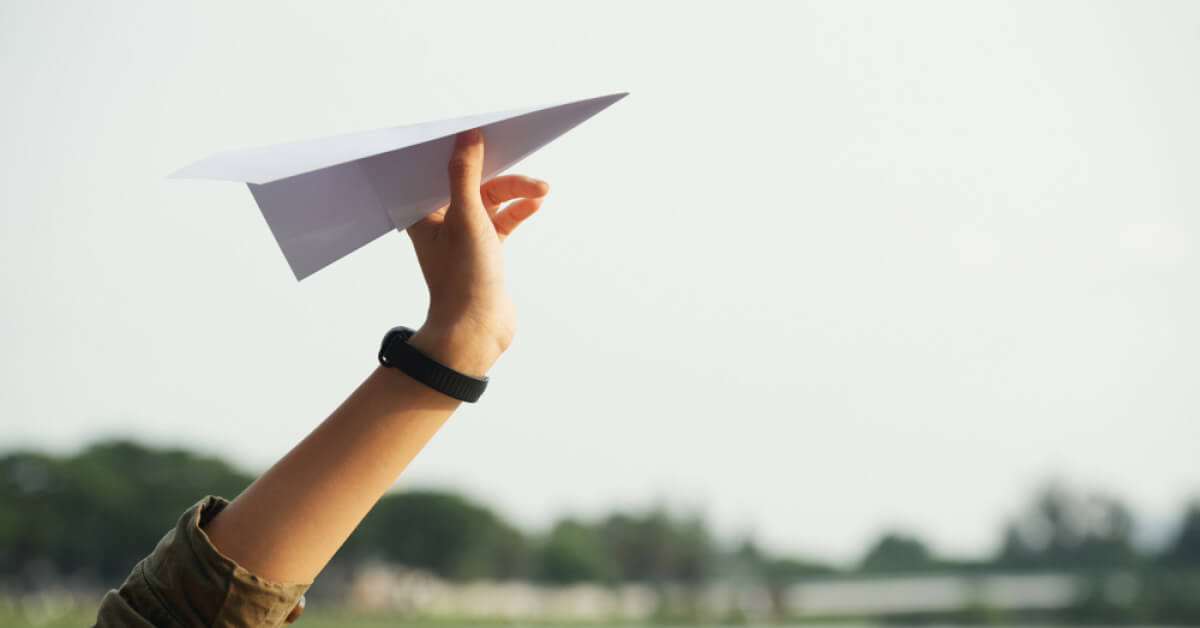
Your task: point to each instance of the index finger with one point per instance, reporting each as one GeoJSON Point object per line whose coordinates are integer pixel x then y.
{"type": "Point", "coordinates": [511, 186]}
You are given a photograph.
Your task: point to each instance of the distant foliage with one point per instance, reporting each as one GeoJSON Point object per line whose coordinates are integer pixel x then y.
{"type": "Point", "coordinates": [440, 532]}
{"type": "Point", "coordinates": [98, 512]}
{"type": "Point", "coordinates": [575, 552]}
{"type": "Point", "coordinates": [657, 547]}
{"type": "Point", "coordinates": [461, 540]}
{"type": "Point", "coordinates": [93, 515]}
{"type": "Point", "coordinates": [896, 552]}
{"type": "Point", "coordinates": [748, 562]}
{"type": "Point", "coordinates": [1067, 529]}
{"type": "Point", "coordinates": [1184, 549]}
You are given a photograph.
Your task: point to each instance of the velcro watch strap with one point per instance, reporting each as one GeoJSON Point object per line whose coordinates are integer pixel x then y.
{"type": "Point", "coordinates": [395, 352]}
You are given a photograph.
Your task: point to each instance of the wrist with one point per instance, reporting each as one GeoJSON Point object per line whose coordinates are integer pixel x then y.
{"type": "Point", "coordinates": [459, 347]}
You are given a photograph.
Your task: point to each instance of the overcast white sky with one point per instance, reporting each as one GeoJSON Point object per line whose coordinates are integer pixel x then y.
{"type": "Point", "coordinates": [832, 267]}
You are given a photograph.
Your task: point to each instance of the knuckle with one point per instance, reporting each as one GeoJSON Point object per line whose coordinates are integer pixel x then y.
{"type": "Point", "coordinates": [460, 166]}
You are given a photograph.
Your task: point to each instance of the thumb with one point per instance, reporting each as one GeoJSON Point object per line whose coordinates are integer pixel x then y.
{"type": "Point", "coordinates": [466, 171]}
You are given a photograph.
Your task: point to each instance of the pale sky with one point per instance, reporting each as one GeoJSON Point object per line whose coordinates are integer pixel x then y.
{"type": "Point", "coordinates": [831, 268]}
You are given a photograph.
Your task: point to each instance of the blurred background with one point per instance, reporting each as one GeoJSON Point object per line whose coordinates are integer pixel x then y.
{"type": "Point", "coordinates": [852, 312]}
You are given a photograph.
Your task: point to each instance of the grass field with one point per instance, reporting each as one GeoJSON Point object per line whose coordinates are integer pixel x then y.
{"type": "Point", "coordinates": [75, 618]}
{"type": "Point", "coordinates": [13, 617]}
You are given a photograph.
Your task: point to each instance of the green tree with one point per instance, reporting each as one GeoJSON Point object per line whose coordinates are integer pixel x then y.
{"type": "Point", "coordinates": [1068, 529]}
{"type": "Point", "coordinates": [749, 560]}
{"type": "Point", "coordinates": [658, 547]}
{"type": "Point", "coordinates": [98, 512]}
{"type": "Point", "coordinates": [897, 551]}
{"type": "Point", "coordinates": [574, 552]}
{"type": "Point", "coordinates": [1184, 549]}
{"type": "Point", "coordinates": [444, 533]}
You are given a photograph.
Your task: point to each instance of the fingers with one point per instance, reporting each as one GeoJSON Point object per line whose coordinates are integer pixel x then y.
{"type": "Point", "coordinates": [513, 215]}
{"type": "Point", "coordinates": [508, 187]}
{"type": "Point", "coordinates": [466, 170]}
{"type": "Point", "coordinates": [471, 204]}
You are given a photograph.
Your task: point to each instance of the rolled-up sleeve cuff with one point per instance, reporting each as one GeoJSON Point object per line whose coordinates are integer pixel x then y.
{"type": "Point", "coordinates": [186, 581]}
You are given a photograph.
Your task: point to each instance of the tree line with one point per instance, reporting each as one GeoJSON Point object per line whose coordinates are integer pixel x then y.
{"type": "Point", "coordinates": [92, 515]}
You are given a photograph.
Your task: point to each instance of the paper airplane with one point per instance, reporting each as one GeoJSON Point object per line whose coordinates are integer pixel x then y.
{"type": "Point", "coordinates": [326, 197]}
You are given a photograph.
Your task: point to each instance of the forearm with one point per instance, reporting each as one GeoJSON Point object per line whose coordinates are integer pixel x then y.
{"type": "Point", "coordinates": [288, 524]}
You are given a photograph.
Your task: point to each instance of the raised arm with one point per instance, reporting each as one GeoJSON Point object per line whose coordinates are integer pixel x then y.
{"type": "Point", "coordinates": [287, 524]}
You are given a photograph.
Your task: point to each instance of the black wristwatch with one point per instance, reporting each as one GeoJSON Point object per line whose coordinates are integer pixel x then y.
{"type": "Point", "coordinates": [395, 352]}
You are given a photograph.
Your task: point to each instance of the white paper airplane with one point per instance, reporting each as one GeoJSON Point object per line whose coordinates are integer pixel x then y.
{"type": "Point", "coordinates": [326, 197]}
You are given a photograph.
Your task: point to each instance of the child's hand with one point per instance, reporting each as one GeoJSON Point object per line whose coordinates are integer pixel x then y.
{"type": "Point", "coordinates": [471, 319]}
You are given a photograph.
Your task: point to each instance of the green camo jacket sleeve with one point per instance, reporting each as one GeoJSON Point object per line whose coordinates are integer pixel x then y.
{"type": "Point", "coordinates": [186, 582]}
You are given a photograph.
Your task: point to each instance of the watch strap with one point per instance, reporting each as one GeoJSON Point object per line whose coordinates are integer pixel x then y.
{"type": "Point", "coordinates": [395, 352]}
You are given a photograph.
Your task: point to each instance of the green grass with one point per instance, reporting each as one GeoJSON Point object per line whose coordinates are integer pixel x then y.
{"type": "Point", "coordinates": [32, 617]}
{"type": "Point", "coordinates": [60, 616]}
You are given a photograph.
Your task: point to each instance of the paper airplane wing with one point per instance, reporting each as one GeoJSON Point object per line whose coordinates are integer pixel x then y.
{"type": "Point", "coordinates": [327, 197]}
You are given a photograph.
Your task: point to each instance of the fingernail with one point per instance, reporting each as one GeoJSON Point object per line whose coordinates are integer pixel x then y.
{"type": "Point", "coordinates": [545, 187]}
